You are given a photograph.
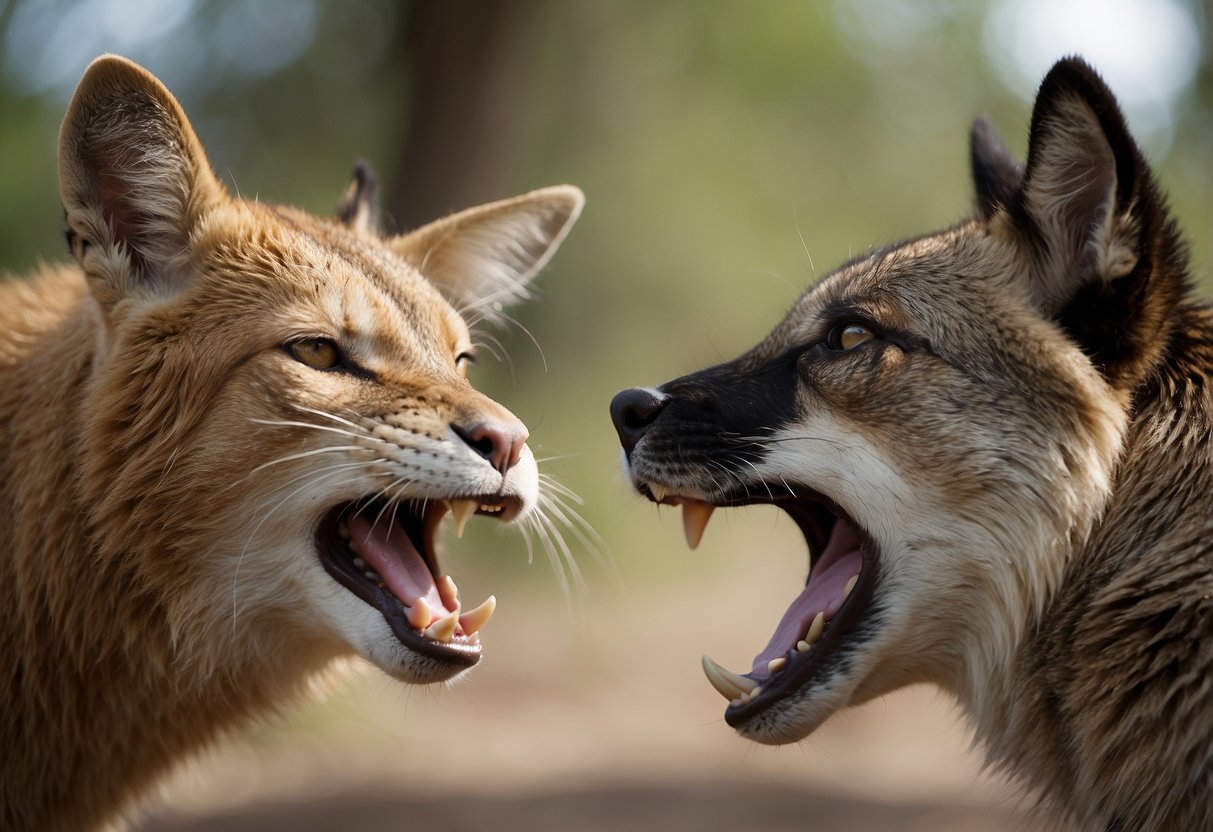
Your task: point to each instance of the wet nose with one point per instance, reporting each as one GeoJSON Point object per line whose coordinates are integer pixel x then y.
{"type": "Point", "coordinates": [633, 411]}
{"type": "Point", "coordinates": [501, 443]}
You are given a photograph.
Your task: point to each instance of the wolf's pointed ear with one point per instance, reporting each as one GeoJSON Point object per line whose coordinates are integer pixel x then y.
{"type": "Point", "coordinates": [132, 176]}
{"type": "Point", "coordinates": [483, 258]}
{"type": "Point", "coordinates": [1109, 266]}
{"type": "Point", "coordinates": [359, 207]}
{"type": "Point", "coordinates": [1083, 183]}
{"type": "Point", "coordinates": [997, 176]}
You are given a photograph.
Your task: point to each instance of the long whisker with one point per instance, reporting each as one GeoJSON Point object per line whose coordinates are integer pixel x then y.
{"type": "Point", "coordinates": [543, 358]}
{"type": "Point", "coordinates": [585, 534]}
{"type": "Point", "coordinates": [327, 415]}
{"type": "Point", "coordinates": [303, 455]}
{"type": "Point", "coordinates": [293, 424]}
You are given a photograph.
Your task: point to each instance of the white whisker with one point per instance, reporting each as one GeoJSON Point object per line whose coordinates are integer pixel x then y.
{"type": "Point", "coordinates": [327, 415]}
{"type": "Point", "coordinates": [293, 424]}
{"type": "Point", "coordinates": [303, 455]}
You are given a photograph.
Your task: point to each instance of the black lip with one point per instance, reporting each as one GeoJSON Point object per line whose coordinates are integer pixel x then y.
{"type": "Point", "coordinates": [842, 634]}
{"type": "Point", "coordinates": [338, 563]}
{"type": "Point", "coordinates": [815, 515]}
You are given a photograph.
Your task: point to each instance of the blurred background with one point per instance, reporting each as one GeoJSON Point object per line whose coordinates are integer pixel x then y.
{"type": "Point", "coordinates": [731, 152]}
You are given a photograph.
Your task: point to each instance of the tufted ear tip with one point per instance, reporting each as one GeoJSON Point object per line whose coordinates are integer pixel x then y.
{"type": "Point", "coordinates": [359, 206]}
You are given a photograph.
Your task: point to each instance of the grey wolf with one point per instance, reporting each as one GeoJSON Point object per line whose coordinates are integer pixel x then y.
{"type": "Point", "coordinates": [996, 441]}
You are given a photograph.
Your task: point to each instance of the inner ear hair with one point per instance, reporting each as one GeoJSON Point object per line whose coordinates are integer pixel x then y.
{"type": "Point", "coordinates": [133, 176]}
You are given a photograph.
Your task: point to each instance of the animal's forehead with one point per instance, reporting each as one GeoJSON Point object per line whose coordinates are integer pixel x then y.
{"type": "Point", "coordinates": [322, 276]}
{"type": "Point", "coordinates": [915, 284]}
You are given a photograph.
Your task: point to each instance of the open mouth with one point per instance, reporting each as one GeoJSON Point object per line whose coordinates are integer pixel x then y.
{"type": "Point", "coordinates": [383, 553]}
{"type": "Point", "coordinates": [824, 623]}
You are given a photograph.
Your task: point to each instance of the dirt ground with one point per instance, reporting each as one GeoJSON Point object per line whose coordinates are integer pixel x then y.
{"type": "Point", "coordinates": [726, 807]}
{"type": "Point", "coordinates": [596, 720]}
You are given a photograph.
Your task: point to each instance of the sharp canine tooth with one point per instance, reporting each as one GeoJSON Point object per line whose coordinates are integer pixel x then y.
{"type": "Point", "coordinates": [776, 665]}
{"type": "Point", "coordinates": [443, 628]}
{"type": "Point", "coordinates": [448, 592]}
{"type": "Point", "coordinates": [846, 590]}
{"type": "Point", "coordinates": [420, 615]}
{"type": "Point", "coordinates": [462, 509]}
{"type": "Point", "coordinates": [474, 620]}
{"type": "Point", "coordinates": [727, 684]}
{"type": "Point", "coordinates": [816, 628]}
{"type": "Point", "coordinates": [657, 491]}
{"type": "Point", "coordinates": [695, 516]}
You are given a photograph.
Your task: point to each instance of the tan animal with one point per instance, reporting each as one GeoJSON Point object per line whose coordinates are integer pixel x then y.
{"type": "Point", "coordinates": [231, 430]}
{"type": "Point", "coordinates": [996, 441]}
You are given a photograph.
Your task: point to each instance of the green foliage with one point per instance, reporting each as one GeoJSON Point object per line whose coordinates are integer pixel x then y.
{"type": "Point", "coordinates": [731, 153]}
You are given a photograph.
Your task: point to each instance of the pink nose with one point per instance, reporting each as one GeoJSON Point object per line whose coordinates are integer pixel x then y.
{"type": "Point", "coordinates": [501, 443]}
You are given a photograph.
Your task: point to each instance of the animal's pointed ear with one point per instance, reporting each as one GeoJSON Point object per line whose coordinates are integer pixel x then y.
{"type": "Point", "coordinates": [359, 207]}
{"type": "Point", "coordinates": [1108, 264]}
{"type": "Point", "coordinates": [133, 178]}
{"type": "Point", "coordinates": [997, 176]}
{"type": "Point", "coordinates": [1083, 184]}
{"type": "Point", "coordinates": [483, 258]}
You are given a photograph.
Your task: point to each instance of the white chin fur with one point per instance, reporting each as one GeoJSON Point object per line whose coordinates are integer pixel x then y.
{"type": "Point", "coordinates": [522, 481]}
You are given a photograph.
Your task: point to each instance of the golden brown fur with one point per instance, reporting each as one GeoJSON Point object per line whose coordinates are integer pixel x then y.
{"type": "Point", "coordinates": [166, 456]}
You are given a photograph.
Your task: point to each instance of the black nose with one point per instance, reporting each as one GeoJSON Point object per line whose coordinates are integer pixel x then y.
{"type": "Point", "coordinates": [633, 411]}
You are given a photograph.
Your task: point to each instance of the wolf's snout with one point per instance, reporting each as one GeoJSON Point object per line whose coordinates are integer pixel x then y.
{"type": "Point", "coordinates": [633, 410]}
{"type": "Point", "coordinates": [500, 443]}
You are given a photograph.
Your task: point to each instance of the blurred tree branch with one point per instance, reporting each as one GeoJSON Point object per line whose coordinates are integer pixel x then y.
{"type": "Point", "coordinates": [465, 63]}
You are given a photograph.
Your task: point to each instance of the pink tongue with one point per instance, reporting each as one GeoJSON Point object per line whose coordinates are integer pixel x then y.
{"type": "Point", "coordinates": [387, 550]}
{"type": "Point", "coordinates": [838, 563]}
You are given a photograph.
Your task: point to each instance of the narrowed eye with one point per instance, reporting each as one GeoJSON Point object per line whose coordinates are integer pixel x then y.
{"type": "Point", "coordinates": [317, 353]}
{"type": "Point", "coordinates": [850, 335]}
{"type": "Point", "coordinates": [463, 360]}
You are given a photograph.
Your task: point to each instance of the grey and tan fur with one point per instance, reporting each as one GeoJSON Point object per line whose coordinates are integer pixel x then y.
{"type": "Point", "coordinates": [997, 440]}
{"type": "Point", "coordinates": [210, 419]}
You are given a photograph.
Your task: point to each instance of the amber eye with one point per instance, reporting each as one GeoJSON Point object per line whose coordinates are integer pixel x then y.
{"type": "Point", "coordinates": [849, 336]}
{"type": "Point", "coordinates": [317, 353]}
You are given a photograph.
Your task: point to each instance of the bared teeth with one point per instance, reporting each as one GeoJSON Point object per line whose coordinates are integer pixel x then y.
{"type": "Point", "coordinates": [657, 491]}
{"type": "Point", "coordinates": [473, 621]}
{"type": "Point", "coordinates": [816, 628]}
{"type": "Point", "coordinates": [343, 530]}
{"type": "Point", "coordinates": [803, 646]}
{"type": "Point", "coordinates": [444, 628]}
{"type": "Point", "coordinates": [727, 683]}
{"type": "Point", "coordinates": [462, 509]}
{"type": "Point", "coordinates": [420, 615]}
{"type": "Point", "coordinates": [695, 516]}
{"type": "Point", "coordinates": [448, 592]}
{"type": "Point", "coordinates": [776, 665]}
